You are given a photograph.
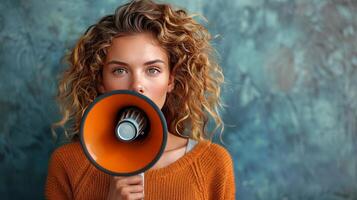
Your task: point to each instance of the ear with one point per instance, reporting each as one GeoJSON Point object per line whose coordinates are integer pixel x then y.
{"type": "Point", "coordinates": [101, 88]}
{"type": "Point", "coordinates": [171, 83]}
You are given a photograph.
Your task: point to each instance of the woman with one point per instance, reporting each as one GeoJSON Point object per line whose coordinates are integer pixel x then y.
{"type": "Point", "coordinates": [165, 55]}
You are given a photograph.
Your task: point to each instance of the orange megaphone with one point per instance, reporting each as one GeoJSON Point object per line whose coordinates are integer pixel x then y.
{"type": "Point", "coordinates": [123, 133]}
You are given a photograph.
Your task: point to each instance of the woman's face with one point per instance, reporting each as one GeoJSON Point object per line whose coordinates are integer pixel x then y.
{"type": "Point", "coordinates": [137, 62]}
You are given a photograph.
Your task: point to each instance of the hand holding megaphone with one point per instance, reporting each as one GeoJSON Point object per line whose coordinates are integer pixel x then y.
{"type": "Point", "coordinates": [126, 188]}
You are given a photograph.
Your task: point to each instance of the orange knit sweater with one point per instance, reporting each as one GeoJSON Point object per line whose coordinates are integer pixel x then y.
{"type": "Point", "coordinates": [206, 172]}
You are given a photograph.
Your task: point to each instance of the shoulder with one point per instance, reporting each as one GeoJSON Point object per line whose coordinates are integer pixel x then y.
{"type": "Point", "coordinates": [216, 156]}
{"type": "Point", "coordinates": [68, 150]}
{"type": "Point", "coordinates": [65, 171]}
{"type": "Point", "coordinates": [68, 155]}
{"type": "Point", "coordinates": [219, 151]}
{"type": "Point", "coordinates": [218, 171]}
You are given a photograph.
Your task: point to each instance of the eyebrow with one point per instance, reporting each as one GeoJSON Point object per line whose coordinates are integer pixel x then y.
{"type": "Point", "coordinates": [123, 63]}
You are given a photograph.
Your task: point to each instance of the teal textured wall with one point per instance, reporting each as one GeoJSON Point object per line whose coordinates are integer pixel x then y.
{"type": "Point", "coordinates": [291, 72]}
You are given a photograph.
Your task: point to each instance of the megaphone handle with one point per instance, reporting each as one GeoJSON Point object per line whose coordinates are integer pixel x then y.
{"type": "Point", "coordinates": [142, 174]}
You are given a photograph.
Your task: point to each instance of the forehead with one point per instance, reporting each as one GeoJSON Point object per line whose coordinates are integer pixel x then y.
{"type": "Point", "coordinates": [136, 48]}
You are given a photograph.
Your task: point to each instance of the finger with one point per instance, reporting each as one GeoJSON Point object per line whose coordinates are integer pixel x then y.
{"type": "Point", "coordinates": [133, 180]}
{"type": "Point", "coordinates": [117, 178]}
{"type": "Point", "coordinates": [128, 191]}
{"type": "Point", "coordinates": [134, 189]}
{"type": "Point", "coordinates": [137, 196]}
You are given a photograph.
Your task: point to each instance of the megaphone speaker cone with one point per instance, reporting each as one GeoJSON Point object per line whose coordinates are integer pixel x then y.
{"type": "Point", "coordinates": [117, 143]}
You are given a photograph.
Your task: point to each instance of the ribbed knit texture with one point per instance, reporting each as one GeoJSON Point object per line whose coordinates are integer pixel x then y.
{"type": "Point", "coordinates": [206, 172]}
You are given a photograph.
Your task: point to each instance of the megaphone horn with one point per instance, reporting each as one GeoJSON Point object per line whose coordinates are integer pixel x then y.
{"type": "Point", "coordinates": [123, 133]}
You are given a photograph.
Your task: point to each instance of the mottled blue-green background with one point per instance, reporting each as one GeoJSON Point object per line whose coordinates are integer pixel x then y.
{"type": "Point", "coordinates": [291, 73]}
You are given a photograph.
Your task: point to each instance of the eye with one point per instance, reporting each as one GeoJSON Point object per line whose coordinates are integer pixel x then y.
{"type": "Point", "coordinates": [153, 70]}
{"type": "Point", "coordinates": [119, 71]}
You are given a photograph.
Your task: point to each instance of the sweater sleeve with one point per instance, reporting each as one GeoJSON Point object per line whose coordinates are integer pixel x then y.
{"type": "Point", "coordinates": [57, 182]}
{"type": "Point", "coordinates": [229, 185]}
{"type": "Point", "coordinates": [221, 173]}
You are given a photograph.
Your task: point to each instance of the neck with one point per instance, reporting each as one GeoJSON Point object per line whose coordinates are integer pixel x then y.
{"type": "Point", "coordinates": [175, 142]}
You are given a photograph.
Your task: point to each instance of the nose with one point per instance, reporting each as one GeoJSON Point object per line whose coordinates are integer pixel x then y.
{"type": "Point", "coordinates": [137, 84]}
{"type": "Point", "coordinates": [139, 89]}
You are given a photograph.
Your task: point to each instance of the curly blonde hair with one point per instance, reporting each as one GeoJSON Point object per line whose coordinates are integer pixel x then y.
{"type": "Point", "coordinates": [192, 61]}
